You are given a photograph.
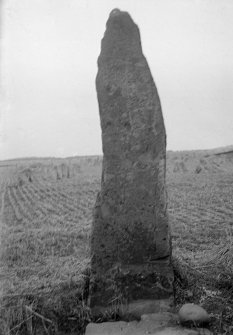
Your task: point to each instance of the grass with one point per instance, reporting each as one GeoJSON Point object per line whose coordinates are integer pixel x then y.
{"type": "Point", "coordinates": [44, 249]}
{"type": "Point", "coordinates": [46, 218]}
{"type": "Point", "coordinates": [201, 215]}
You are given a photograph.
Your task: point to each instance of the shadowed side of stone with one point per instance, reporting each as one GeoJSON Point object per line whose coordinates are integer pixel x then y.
{"type": "Point", "coordinates": [130, 240]}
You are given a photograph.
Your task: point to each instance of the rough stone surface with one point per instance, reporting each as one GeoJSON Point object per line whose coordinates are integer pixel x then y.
{"type": "Point", "coordinates": [161, 319]}
{"type": "Point", "coordinates": [130, 241]}
{"type": "Point", "coordinates": [157, 324]}
{"type": "Point", "coordinates": [140, 307]}
{"type": "Point", "coordinates": [193, 313]}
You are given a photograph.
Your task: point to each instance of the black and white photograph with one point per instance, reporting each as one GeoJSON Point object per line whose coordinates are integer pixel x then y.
{"type": "Point", "coordinates": [116, 167]}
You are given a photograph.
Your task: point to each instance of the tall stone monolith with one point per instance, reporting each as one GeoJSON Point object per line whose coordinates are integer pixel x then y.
{"type": "Point", "coordinates": [130, 242]}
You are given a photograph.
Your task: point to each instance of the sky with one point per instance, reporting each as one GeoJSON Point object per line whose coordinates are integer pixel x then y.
{"type": "Point", "coordinates": [48, 65]}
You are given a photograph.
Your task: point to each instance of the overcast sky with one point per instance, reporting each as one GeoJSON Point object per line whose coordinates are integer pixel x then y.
{"type": "Point", "coordinates": [49, 51]}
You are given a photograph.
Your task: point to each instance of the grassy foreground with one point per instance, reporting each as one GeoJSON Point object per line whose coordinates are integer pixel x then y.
{"type": "Point", "coordinates": [46, 213]}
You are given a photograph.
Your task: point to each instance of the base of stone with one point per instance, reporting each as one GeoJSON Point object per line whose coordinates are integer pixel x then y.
{"type": "Point", "coordinates": [163, 323]}
{"type": "Point", "coordinates": [131, 282]}
{"type": "Point", "coordinates": [135, 309]}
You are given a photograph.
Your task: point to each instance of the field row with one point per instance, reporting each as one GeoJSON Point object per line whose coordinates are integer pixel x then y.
{"type": "Point", "coordinates": [200, 207]}
{"type": "Point", "coordinates": [34, 203]}
{"type": "Point", "coordinates": [205, 204]}
{"type": "Point", "coordinates": [201, 212]}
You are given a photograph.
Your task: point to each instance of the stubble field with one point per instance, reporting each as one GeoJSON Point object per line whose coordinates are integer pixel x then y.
{"type": "Point", "coordinates": [46, 214]}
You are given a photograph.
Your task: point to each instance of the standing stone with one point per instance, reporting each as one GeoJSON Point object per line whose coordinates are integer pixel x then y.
{"type": "Point", "coordinates": [130, 242]}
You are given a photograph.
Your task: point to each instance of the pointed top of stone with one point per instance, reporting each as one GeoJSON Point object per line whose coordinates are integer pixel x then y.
{"type": "Point", "coordinates": [115, 11]}
{"type": "Point", "coordinates": [117, 15]}
{"type": "Point", "coordinates": [121, 39]}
